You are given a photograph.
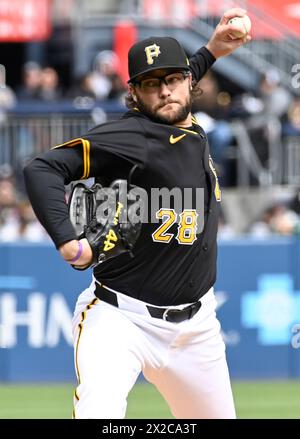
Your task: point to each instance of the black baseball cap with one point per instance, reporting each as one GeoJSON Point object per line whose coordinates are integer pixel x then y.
{"type": "Point", "coordinates": [156, 53]}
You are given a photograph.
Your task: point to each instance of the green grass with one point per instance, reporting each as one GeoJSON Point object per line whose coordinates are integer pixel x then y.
{"type": "Point", "coordinates": [268, 399]}
{"type": "Point", "coordinates": [265, 399]}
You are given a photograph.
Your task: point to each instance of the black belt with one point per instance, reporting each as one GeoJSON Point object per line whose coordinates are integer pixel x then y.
{"type": "Point", "coordinates": [169, 314]}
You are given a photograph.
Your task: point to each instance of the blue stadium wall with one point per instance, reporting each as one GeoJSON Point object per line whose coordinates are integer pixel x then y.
{"type": "Point", "coordinates": [258, 292]}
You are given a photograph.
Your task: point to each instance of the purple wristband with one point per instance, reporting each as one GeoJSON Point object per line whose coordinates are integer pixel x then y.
{"type": "Point", "coordinates": [79, 253]}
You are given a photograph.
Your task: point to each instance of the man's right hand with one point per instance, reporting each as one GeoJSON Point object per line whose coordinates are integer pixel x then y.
{"type": "Point", "coordinates": [221, 42]}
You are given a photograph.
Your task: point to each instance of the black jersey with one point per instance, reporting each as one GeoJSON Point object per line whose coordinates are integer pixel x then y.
{"type": "Point", "coordinates": [170, 266]}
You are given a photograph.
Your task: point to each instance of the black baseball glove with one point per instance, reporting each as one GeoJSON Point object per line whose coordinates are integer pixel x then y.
{"type": "Point", "coordinates": [109, 218]}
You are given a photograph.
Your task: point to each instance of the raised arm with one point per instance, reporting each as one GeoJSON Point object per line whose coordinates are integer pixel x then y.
{"type": "Point", "coordinates": [220, 44]}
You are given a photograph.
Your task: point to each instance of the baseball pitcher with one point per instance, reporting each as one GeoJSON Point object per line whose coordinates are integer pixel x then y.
{"type": "Point", "coordinates": [147, 228]}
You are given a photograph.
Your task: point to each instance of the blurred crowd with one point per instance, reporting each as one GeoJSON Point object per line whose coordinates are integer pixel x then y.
{"type": "Point", "coordinates": [17, 219]}
{"type": "Point", "coordinates": [278, 219]}
{"type": "Point", "coordinates": [215, 110]}
{"type": "Point", "coordinates": [42, 84]}
{"type": "Point", "coordinates": [19, 223]}
{"type": "Point", "coordinates": [270, 114]}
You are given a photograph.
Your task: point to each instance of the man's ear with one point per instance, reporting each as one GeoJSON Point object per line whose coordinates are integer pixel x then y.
{"type": "Point", "coordinates": [131, 91]}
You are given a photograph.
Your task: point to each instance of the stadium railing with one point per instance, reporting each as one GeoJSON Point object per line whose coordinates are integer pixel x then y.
{"type": "Point", "coordinates": [29, 129]}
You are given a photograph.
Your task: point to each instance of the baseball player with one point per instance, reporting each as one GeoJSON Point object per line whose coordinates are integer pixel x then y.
{"type": "Point", "coordinates": [153, 311]}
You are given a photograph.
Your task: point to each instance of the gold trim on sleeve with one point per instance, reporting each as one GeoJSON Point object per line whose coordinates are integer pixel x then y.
{"type": "Point", "coordinates": [86, 148]}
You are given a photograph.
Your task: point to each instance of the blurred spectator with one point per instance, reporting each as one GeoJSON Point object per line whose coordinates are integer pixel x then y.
{"type": "Point", "coordinates": [270, 99]}
{"type": "Point", "coordinates": [29, 228]}
{"type": "Point", "coordinates": [263, 115]}
{"type": "Point", "coordinates": [212, 111]}
{"type": "Point", "coordinates": [17, 219]}
{"type": "Point", "coordinates": [291, 126]}
{"type": "Point", "coordinates": [7, 101]}
{"type": "Point", "coordinates": [105, 64]}
{"type": "Point", "coordinates": [118, 90]}
{"type": "Point", "coordinates": [6, 172]}
{"type": "Point", "coordinates": [106, 82]}
{"type": "Point", "coordinates": [295, 202]}
{"type": "Point", "coordinates": [83, 88]}
{"type": "Point", "coordinates": [32, 75]}
{"type": "Point", "coordinates": [50, 90]}
{"type": "Point", "coordinates": [225, 230]}
{"type": "Point", "coordinates": [7, 98]}
{"type": "Point", "coordinates": [276, 98]}
{"type": "Point", "coordinates": [8, 209]}
{"type": "Point", "coordinates": [277, 219]}
{"type": "Point", "coordinates": [246, 105]}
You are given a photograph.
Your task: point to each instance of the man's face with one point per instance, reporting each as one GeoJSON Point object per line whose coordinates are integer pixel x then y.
{"type": "Point", "coordinates": [164, 95]}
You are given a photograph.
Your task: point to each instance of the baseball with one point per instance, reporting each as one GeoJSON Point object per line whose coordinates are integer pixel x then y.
{"type": "Point", "coordinates": [242, 26]}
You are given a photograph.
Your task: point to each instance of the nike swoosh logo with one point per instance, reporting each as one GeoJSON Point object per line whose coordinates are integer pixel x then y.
{"type": "Point", "coordinates": [176, 139]}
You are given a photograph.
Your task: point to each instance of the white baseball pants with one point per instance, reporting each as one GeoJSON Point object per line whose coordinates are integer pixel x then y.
{"type": "Point", "coordinates": [185, 361]}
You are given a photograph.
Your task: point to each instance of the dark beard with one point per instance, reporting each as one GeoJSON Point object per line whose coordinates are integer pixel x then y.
{"type": "Point", "coordinates": [181, 115]}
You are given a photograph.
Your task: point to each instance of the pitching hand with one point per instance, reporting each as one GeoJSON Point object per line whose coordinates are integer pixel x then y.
{"type": "Point", "coordinates": [221, 43]}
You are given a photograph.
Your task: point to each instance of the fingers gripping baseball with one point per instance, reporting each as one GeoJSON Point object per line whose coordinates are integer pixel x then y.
{"type": "Point", "coordinates": [231, 13]}
{"type": "Point", "coordinates": [223, 41]}
{"type": "Point", "coordinates": [240, 27]}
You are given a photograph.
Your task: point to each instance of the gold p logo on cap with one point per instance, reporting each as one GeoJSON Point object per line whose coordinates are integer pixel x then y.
{"type": "Point", "coordinates": [151, 52]}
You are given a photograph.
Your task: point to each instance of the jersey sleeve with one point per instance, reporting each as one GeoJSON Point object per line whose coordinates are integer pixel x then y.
{"type": "Point", "coordinates": [124, 142]}
{"type": "Point", "coordinates": [45, 179]}
{"type": "Point", "coordinates": [101, 152]}
{"type": "Point", "coordinates": [201, 62]}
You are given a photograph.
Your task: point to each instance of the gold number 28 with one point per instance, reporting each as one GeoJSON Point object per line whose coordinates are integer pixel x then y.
{"type": "Point", "coordinates": [187, 227]}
